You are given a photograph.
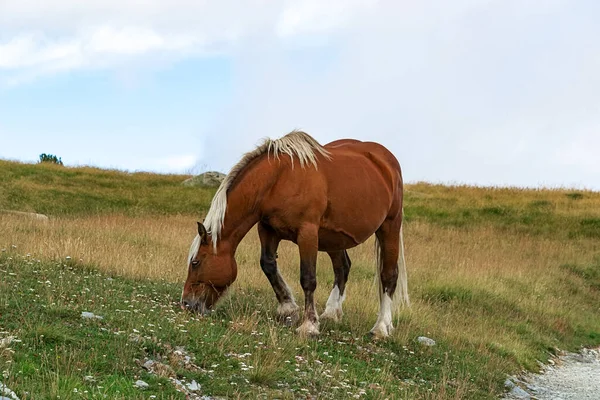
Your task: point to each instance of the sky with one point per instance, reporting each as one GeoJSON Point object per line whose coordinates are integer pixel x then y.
{"type": "Point", "coordinates": [483, 92]}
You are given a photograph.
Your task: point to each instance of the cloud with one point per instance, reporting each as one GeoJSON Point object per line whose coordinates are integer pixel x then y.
{"type": "Point", "coordinates": [473, 91]}
{"type": "Point", "coordinates": [314, 16]}
{"type": "Point", "coordinates": [33, 55]}
{"type": "Point", "coordinates": [39, 38]}
{"type": "Point", "coordinates": [178, 163]}
{"type": "Point", "coordinates": [485, 92]}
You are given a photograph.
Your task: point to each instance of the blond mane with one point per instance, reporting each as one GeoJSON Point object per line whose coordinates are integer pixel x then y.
{"type": "Point", "coordinates": [296, 143]}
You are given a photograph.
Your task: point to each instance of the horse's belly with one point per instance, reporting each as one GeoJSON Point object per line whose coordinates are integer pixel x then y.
{"type": "Point", "coordinates": [330, 240]}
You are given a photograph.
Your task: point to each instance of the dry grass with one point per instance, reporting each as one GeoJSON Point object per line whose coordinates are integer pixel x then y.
{"type": "Point", "coordinates": [479, 261]}
{"type": "Point", "coordinates": [499, 277]}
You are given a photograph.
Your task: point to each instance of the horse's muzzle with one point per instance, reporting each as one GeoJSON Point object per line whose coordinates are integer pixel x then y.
{"type": "Point", "coordinates": [195, 306]}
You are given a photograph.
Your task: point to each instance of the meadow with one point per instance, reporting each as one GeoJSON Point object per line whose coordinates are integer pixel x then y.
{"type": "Point", "coordinates": [501, 278]}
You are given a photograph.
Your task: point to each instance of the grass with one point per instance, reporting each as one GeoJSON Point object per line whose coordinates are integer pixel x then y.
{"type": "Point", "coordinates": [60, 191]}
{"type": "Point", "coordinates": [501, 278]}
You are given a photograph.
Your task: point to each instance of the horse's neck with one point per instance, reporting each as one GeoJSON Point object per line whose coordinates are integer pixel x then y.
{"type": "Point", "coordinates": [241, 214]}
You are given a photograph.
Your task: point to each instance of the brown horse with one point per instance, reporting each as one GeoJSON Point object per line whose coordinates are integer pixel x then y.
{"type": "Point", "coordinates": [343, 193]}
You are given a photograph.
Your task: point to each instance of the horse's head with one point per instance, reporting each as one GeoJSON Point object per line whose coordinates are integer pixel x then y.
{"type": "Point", "coordinates": [209, 274]}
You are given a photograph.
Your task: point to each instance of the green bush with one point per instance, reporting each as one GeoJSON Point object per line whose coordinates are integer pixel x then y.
{"type": "Point", "coordinates": [51, 158]}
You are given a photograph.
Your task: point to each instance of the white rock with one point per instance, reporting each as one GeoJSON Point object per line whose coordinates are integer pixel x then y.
{"type": "Point", "coordinates": [193, 386]}
{"type": "Point", "coordinates": [4, 390]}
{"type": "Point", "coordinates": [141, 384]}
{"type": "Point", "coordinates": [6, 342]}
{"type": "Point", "coordinates": [426, 341]}
{"type": "Point", "coordinates": [519, 393]}
{"type": "Point", "coordinates": [89, 315]}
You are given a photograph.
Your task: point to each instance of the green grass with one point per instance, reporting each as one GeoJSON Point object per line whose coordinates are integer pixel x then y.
{"type": "Point", "coordinates": [56, 190]}
{"type": "Point", "coordinates": [544, 212]}
{"type": "Point", "coordinates": [501, 278]}
{"type": "Point", "coordinates": [239, 351]}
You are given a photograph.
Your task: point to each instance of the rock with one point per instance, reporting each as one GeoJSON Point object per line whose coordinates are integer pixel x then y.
{"type": "Point", "coordinates": [89, 315]}
{"type": "Point", "coordinates": [39, 217]}
{"type": "Point", "coordinates": [148, 365]}
{"type": "Point", "coordinates": [193, 386]}
{"type": "Point", "coordinates": [425, 341]}
{"type": "Point", "coordinates": [5, 342]}
{"type": "Point", "coordinates": [5, 391]}
{"type": "Point", "coordinates": [141, 384]}
{"type": "Point", "coordinates": [207, 179]}
{"type": "Point", "coordinates": [518, 393]}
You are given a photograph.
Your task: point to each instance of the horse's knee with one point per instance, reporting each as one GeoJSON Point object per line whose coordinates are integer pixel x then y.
{"type": "Point", "coordinates": [389, 280]}
{"type": "Point", "coordinates": [268, 265]}
{"type": "Point", "coordinates": [308, 279]}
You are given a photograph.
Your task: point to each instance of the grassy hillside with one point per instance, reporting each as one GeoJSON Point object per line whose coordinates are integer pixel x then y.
{"type": "Point", "coordinates": [500, 278]}
{"type": "Point", "coordinates": [56, 190]}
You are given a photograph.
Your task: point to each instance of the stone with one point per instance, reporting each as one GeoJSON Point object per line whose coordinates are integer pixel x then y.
{"type": "Point", "coordinates": [519, 393]}
{"type": "Point", "coordinates": [207, 179]}
{"type": "Point", "coordinates": [425, 341]}
{"type": "Point", "coordinates": [193, 386]}
{"type": "Point", "coordinates": [4, 390]}
{"type": "Point", "coordinates": [141, 384]}
{"type": "Point", "coordinates": [89, 315]}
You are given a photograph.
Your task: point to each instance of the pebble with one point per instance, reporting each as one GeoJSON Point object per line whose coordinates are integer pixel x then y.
{"type": "Point", "coordinates": [518, 393]}
{"type": "Point", "coordinates": [4, 390]}
{"type": "Point", "coordinates": [426, 341]}
{"type": "Point", "coordinates": [141, 384]}
{"type": "Point", "coordinates": [89, 315]}
{"type": "Point", "coordinates": [577, 378]}
{"type": "Point", "coordinates": [193, 386]}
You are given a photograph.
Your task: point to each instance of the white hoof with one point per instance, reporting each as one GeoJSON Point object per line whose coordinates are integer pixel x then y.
{"type": "Point", "coordinates": [308, 329]}
{"type": "Point", "coordinates": [332, 314]}
{"type": "Point", "coordinates": [382, 330]}
{"type": "Point", "coordinates": [333, 308]}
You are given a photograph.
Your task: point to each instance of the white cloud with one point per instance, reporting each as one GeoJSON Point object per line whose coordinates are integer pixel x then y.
{"type": "Point", "coordinates": [178, 163]}
{"type": "Point", "coordinates": [485, 91]}
{"type": "Point", "coordinates": [39, 38]}
{"type": "Point", "coordinates": [315, 16]}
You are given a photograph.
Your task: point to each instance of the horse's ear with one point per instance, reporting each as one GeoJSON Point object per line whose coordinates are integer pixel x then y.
{"type": "Point", "coordinates": [202, 233]}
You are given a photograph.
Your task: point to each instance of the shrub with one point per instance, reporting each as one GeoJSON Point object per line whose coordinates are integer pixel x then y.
{"type": "Point", "coordinates": [51, 158]}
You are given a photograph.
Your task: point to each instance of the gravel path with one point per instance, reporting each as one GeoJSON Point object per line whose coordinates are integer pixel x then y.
{"type": "Point", "coordinates": [572, 377]}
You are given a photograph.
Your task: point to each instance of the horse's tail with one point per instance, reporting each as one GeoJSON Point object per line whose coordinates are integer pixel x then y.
{"type": "Point", "coordinates": [400, 296]}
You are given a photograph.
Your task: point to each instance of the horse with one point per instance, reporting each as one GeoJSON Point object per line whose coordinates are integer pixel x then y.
{"type": "Point", "coordinates": [342, 194]}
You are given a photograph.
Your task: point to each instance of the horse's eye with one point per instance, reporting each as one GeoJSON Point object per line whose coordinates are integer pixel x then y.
{"type": "Point", "coordinates": [195, 263]}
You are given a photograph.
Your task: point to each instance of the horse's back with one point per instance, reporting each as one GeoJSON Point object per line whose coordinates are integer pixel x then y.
{"type": "Point", "coordinates": [349, 195]}
{"type": "Point", "coordinates": [364, 187]}
{"type": "Point", "coordinates": [365, 148]}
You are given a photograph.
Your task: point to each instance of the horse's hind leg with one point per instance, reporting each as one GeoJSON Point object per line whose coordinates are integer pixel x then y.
{"type": "Point", "coordinates": [269, 241]}
{"type": "Point", "coordinates": [341, 269]}
{"type": "Point", "coordinates": [390, 277]}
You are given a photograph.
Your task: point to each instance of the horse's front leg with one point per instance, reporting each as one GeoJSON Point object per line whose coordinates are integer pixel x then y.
{"type": "Point", "coordinates": [308, 244]}
{"type": "Point", "coordinates": [287, 309]}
